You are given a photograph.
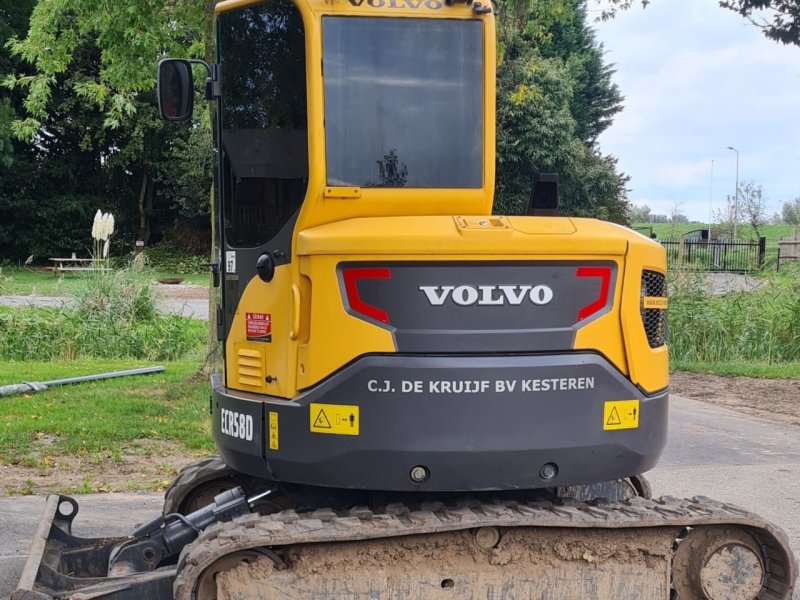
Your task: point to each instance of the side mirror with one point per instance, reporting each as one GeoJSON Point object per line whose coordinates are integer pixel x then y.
{"type": "Point", "coordinates": [175, 89]}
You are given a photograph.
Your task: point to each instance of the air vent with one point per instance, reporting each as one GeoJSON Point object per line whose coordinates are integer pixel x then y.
{"type": "Point", "coordinates": [250, 368]}
{"type": "Point", "coordinates": [654, 308]}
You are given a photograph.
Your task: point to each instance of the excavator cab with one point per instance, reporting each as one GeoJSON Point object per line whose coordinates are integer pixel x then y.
{"type": "Point", "coordinates": [381, 329]}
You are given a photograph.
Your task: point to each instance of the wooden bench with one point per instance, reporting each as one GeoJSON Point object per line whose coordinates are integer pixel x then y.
{"type": "Point", "coordinates": [64, 265]}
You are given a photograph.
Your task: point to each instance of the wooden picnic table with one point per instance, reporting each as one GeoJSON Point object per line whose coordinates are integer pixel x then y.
{"type": "Point", "coordinates": [62, 265]}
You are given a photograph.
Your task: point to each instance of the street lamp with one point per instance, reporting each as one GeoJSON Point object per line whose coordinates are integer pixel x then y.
{"type": "Point", "coordinates": [736, 205]}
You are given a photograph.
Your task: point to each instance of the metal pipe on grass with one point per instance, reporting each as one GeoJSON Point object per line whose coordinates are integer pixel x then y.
{"type": "Point", "coordinates": [29, 387]}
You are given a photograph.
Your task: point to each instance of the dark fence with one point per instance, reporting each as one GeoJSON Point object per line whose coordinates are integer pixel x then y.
{"type": "Point", "coordinates": [716, 255]}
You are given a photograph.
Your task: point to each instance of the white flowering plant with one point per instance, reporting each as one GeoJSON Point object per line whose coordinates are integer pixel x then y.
{"type": "Point", "coordinates": [102, 230]}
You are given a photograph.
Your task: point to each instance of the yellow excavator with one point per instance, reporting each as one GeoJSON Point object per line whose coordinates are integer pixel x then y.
{"type": "Point", "coordinates": [418, 399]}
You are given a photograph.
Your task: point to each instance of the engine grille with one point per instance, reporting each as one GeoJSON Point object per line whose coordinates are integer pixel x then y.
{"type": "Point", "coordinates": [654, 285]}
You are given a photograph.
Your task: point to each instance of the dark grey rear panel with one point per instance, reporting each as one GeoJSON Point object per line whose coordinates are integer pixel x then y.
{"type": "Point", "coordinates": [479, 307]}
{"type": "Point", "coordinates": [476, 423]}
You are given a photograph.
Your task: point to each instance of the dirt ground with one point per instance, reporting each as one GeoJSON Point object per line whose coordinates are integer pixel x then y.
{"type": "Point", "coordinates": [149, 465]}
{"type": "Point", "coordinates": [180, 291]}
{"type": "Point", "coordinates": [144, 465]}
{"type": "Point", "coordinates": [772, 399]}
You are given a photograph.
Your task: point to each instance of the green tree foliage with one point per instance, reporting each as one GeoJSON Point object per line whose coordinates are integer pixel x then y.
{"type": "Point", "coordinates": [753, 205]}
{"type": "Point", "coordinates": [639, 214]}
{"type": "Point", "coordinates": [50, 192]}
{"type": "Point", "coordinates": [131, 35]}
{"type": "Point", "coordinates": [89, 85]}
{"type": "Point", "coordinates": [790, 213]}
{"type": "Point", "coordinates": [52, 182]}
{"type": "Point", "coordinates": [595, 97]}
{"type": "Point", "coordinates": [778, 19]}
{"type": "Point", "coordinates": [14, 15]}
{"type": "Point", "coordinates": [554, 97]}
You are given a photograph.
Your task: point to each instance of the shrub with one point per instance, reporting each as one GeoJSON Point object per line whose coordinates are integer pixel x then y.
{"type": "Point", "coordinates": [762, 325]}
{"type": "Point", "coordinates": [118, 295]}
{"type": "Point", "coordinates": [114, 317]}
{"type": "Point", "coordinates": [63, 334]}
{"type": "Point", "coordinates": [168, 257]}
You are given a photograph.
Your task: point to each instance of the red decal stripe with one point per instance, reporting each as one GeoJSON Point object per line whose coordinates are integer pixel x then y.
{"type": "Point", "coordinates": [604, 273]}
{"type": "Point", "coordinates": [351, 277]}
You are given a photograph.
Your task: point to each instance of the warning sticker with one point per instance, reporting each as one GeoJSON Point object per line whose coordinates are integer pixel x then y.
{"type": "Point", "coordinates": [333, 418]}
{"type": "Point", "coordinates": [273, 430]}
{"type": "Point", "coordinates": [258, 327]}
{"type": "Point", "coordinates": [621, 414]}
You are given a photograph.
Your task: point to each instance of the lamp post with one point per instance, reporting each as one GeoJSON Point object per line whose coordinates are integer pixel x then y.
{"type": "Point", "coordinates": [736, 205]}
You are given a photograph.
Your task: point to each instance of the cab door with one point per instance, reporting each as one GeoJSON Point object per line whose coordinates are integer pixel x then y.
{"type": "Point", "coordinates": [262, 128]}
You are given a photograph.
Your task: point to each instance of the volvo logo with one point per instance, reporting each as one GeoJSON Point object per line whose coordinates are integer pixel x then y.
{"type": "Point", "coordinates": [487, 295]}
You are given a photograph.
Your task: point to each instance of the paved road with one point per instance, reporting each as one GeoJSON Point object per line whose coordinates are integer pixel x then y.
{"type": "Point", "coordinates": [712, 451]}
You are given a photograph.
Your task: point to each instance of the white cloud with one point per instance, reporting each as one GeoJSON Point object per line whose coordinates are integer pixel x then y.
{"type": "Point", "coordinates": [684, 172]}
{"type": "Point", "coordinates": [696, 79]}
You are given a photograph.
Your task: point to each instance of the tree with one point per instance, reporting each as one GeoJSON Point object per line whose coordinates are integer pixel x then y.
{"type": "Point", "coordinates": [778, 19]}
{"type": "Point", "coordinates": [543, 125]}
{"type": "Point", "coordinates": [790, 213]}
{"type": "Point", "coordinates": [639, 214]}
{"type": "Point", "coordinates": [13, 21]}
{"type": "Point", "coordinates": [595, 97]}
{"type": "Point", "coordinates": [753, 206]}
{"type": "Point", "coordinates": [57, 180]}
{"type": "Point", "coordinates": [727, 216]}
{"type": "Point", "coordinates": [103, 54]}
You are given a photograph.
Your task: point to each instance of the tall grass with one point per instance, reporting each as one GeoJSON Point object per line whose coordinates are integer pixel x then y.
{"type": "Point", "coordinates": [5, 280]}
{"type": "Point", "coordinates": [114, 317]}
{"type": "Point", "coordinates": [762, 325]}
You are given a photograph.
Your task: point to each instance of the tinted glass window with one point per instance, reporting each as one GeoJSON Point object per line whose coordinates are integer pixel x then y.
{"type": "Point", "coordinates": [403, 102]}
{"type": "Point", "coordinates": [264, 140]}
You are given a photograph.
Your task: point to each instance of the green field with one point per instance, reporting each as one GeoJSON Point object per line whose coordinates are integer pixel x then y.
{"type": "Point", "coordinates": [26, 281]}
{"type": "Point", "coordinates": [772, 233]}
{"type": "Point", "coordinates": [673, 231]}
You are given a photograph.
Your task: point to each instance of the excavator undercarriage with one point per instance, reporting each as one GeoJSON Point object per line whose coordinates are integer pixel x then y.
{"type": "Point", "coordinates": [500, 546]}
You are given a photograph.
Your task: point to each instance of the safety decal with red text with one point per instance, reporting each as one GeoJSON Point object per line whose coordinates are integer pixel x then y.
{"type": "Point", "coordinates": [258, 327]}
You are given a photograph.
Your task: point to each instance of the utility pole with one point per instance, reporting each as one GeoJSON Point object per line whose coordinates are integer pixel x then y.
{"type": "Point", "coordinates": [711, 200]}
{"type": "Point", "coordinates": [736, 205]}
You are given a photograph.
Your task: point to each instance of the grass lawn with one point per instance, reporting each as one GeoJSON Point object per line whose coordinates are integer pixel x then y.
{"type": "Point", "coordinates": [96, 431]}
{"type": "Point", "coordinates": [25, 281]}
{"type": "Point", "coordinates": [673, 231]}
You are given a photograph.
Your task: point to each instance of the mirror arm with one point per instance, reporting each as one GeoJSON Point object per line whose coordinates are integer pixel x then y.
{"type": "Point", "coordinates": [212, 89]}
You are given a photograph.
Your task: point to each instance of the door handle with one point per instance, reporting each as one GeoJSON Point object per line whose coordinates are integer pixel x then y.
{"type": "Point", "coordinates": [295, 332]}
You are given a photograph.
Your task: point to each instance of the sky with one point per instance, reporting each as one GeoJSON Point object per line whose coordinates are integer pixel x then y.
{"type": "Point", "coordinates": [696, 79]}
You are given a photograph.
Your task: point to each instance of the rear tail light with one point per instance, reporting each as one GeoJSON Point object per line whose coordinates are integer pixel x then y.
{"type": "Point", "coordinates": [602, 273]}
{"type": "Point", "coordinates": [351, 278]}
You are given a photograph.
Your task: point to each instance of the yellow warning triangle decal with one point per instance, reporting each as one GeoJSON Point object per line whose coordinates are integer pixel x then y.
{"type": "Point", "coordinates": [613, 418]}
{"type": "Point", "coordinates": [322, 420]}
